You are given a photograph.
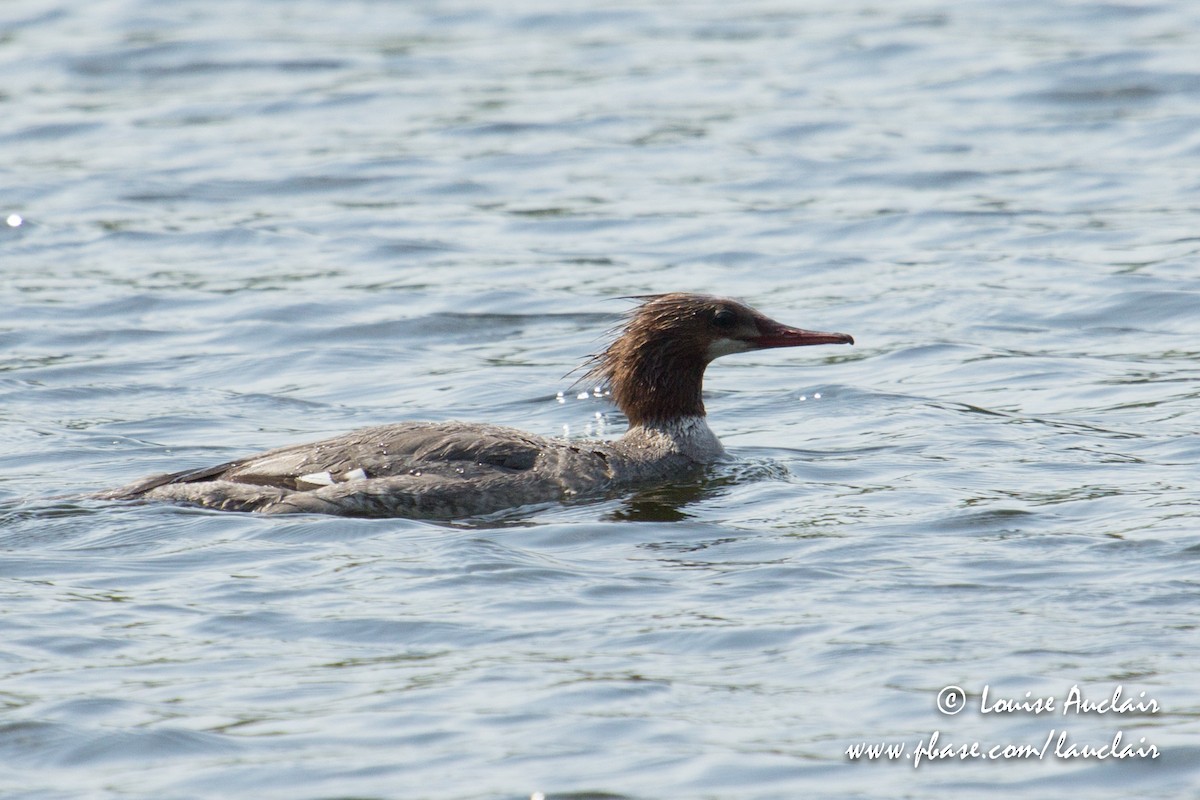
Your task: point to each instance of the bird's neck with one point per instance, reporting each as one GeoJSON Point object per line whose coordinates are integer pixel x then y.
{"type": "Point", "coordinates": [656, 387]}
{"type": "Point", "coordinates": [688, 436]}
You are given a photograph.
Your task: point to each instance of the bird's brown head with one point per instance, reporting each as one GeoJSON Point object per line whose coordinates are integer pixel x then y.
{"type": "Point", "coordinates": [655, 367]}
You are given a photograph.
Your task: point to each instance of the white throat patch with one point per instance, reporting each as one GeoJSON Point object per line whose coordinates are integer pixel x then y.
{"type": "Point", "coordinates": [724, 347]}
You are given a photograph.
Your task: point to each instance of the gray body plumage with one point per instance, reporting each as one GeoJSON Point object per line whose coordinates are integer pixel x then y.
{"type": "Point", "coordinates": [425, 470]}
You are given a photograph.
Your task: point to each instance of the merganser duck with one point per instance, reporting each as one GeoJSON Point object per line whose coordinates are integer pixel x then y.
{"type": "Point", "coordinates": [654, 371]}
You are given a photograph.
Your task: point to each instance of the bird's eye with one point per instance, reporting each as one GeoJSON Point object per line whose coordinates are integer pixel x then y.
{"type": "Point", "coordinates": [724, 318]}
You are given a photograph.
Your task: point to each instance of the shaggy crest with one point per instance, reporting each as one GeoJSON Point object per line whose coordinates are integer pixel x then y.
{"type": "Point", "coordinates": [654, 368]}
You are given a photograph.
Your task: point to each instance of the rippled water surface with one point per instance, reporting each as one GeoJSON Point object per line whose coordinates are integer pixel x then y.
{"type": "Point", "coordinates": [229, 226]}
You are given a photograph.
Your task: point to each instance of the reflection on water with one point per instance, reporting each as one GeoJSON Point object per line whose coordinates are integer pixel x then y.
{"type": "Point", "coordinates": [664, 503]}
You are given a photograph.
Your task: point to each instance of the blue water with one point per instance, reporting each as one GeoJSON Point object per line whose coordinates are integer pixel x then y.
{"type": "Point", "coordinates": [230, 226]}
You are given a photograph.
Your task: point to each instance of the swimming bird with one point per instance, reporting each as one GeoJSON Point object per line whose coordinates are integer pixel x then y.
{"type": "Point", "coordinates": [654, 371]}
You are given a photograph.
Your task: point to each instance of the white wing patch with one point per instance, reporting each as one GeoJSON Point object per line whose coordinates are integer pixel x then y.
{"type": "Point", "coordinates": [328, 479]}
{"type": "Point", "coordinates": [316, 479]}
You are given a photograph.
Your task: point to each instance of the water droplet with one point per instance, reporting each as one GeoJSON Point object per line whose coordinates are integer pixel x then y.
{"type": "Point", "coordinates": [816, 395]}
{"type": "Point", "coordinates": [14, 220]}
{"type": "Point", "coordinates": [582, 396]}
{"type": "Point", "coordinates": [803, 398]}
